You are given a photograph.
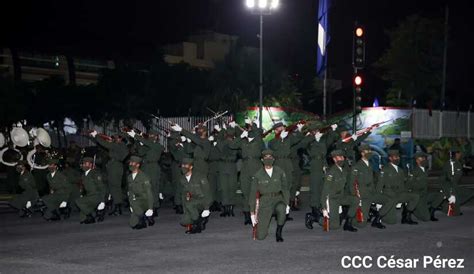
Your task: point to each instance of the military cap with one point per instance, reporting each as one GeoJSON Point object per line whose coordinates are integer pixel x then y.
{"type": "Point", "coordinates": [337, 152]}
{"type": "Point", "coordinates": [420, 154]}
{"type": "Point", "coordinates": [53, 161]}
{"type": "Point", "coordinates": [135, 159]}
{"type": "Point", "coordinates": [88, 159]}
{"type": "Point", "coordinates": [278, 124]}
{"type": "Point", "coordinates": [364, 147]}
{"type": "Point", "coordinates": [393, 152]}
{"type": "Point", "coordinates": [267, 152]}
{"type": "Point", "coordinates": [187, 161]}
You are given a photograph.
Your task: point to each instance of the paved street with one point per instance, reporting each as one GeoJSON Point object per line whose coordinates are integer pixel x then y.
{"type": "Point", "coordinates": [35, 246]}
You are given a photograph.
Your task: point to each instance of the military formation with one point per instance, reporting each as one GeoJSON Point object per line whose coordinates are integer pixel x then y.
{"type": "Point", "coordinates": [234, 166]}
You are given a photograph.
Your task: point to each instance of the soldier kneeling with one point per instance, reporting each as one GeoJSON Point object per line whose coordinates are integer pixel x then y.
{"type": "Point", "coordinates": [93, 192]}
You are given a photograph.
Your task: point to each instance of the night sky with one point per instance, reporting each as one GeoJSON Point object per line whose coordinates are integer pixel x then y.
{"type": "Point", "coordinates": [132, 30]}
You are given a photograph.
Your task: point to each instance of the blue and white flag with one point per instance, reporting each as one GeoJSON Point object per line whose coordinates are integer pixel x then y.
{"type": "Point", "coordinates": [323, 36]}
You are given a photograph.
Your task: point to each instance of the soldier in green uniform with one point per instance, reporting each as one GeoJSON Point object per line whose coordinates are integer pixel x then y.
{"type": "Point", "coordinates": [251, 145]}
{"type": "Point", "coordinates": [93, 193]}
{"type": "Point", "coordinates": [362, 185]}
{"type": "Point", "coordinates": [334, 196]}
{"type": "Point", "coordinates": [317, 145]}
{"type": "Point", "coordinates": [150, 164]}
{"type": "Point", "coordinates": [418, 183]}
{"type": "Point", "coordinates": [196, 202]}
{"type": "Point", "coordinates": [281, 146]}
{"type": "Point", "coordinates": [24, 201]}
{"type": "Point", "coordinates": [140, 195]}
{"type": "Point", "coordinates": [392, 184]}
{"type": "Point", "coordinates": [272, 187]}
{"type": "Point", "coordinates": [177, 147]}
{"type": "Point", "coordinates": [214, 163]}
{"type": "Point", "coordinates": [228, 183]}
{"type": "Point", "coordinates": [118, 151]}
{"type": "Point", "coordinates": [348, 143]}
{"type": "Point", "coordinates": [59, 190]}
{"type": "Point", "coordinates": [73, 176]}
{"type": "Point", "coordinates": [450, 179]}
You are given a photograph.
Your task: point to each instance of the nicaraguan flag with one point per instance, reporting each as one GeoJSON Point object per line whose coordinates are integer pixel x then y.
{"type": "Point", "coordinates": [323, 36]}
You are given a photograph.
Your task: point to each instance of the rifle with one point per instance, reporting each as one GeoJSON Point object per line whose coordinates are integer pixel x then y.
{"type": "Point", "coordinates": [257, 206]}
{"type": "Point", "coordinates": [359, 213]}
{"type": "Point", "coordinates": [363, 131]}
{"type": "Point", "coordinates": [326, 219]}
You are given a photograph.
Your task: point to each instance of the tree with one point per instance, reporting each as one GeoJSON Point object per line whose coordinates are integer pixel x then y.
{"type": "Point", "coordinates": [413, 63]}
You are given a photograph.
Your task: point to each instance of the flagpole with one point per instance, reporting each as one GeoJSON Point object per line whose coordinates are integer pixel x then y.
{"type": "Point", "coordinates": [325, 87]}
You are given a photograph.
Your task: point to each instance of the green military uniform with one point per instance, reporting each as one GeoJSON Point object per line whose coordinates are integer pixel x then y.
{"type": "Point", "coordinates": [274, 198]}
{"type": "Point", "coordinates": [349, 147]}
{"type": "Point", "coordinates": [451, 176]}
{"type": "Point", "coordinates": [227, 174]}
{"type": "Point", "coordinates": [429, 201]}
{"type": "Point", "coordinates": [333, 194]}
{"type": "Point", "coordinates": [194, 195]}
{"type": "Point", "coordinates": [30, 193]}
{"type": "Point", "coordinates": [93, 193]}
{"type": "Point", "coordinates": [363, 175]}
{"type": "Point", "coordinates": [60, 189]}
{"type": "Point", "coordinates": [117, 154]}
{"type": "Point", "coordinates": [213, 175]}
{"type": "Point", "coordinates": [200, 152]}
{"type": "Point", "coordinates": [74, 178]}
{"type": "Point", "coordinates": [151, 165]}
{"type": "Point", "coordinates": [140, 196]}
{"type": "Point", "coordinates": [392, 184]}
{"type": "Point", "coordinates": [178, 152]}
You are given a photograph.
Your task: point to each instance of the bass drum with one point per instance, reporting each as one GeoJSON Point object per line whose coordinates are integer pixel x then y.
{"type": "Point", "coordinates": [2, 140]}
{"type": "Point", "coordinates": [10, 156]}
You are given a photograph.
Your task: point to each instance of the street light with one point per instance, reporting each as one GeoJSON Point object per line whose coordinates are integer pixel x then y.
{"type": "Point", "coordinates": [261, 8]}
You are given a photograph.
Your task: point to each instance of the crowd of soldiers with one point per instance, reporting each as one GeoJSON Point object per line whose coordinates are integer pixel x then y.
{"type": "Point", "coordinates": [207, 172]}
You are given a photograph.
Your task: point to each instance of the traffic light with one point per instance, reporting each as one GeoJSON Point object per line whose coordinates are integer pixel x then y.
{"type": "Point", "coordinates": [358, 47]}
{"type": "Point", "coordinates": [358, 81]}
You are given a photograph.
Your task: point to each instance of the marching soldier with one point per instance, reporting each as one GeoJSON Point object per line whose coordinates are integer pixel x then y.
{"type": "Point", "coordinates": [317, 145]}
{"type": "Point", "coordinates": [93, 193]}
{"type": "Point", "coordinates": [362, 185]}
{"type": "Point", "coordinates": [59, 190]}
{"type": "Point", "coordinates": [281, 146]}
{"type": "Point", "coordinates": [450, 179]}
{"type": "Point", "coordinates": [333, 195]}
{"type": "Point", "coordinates": [270, 185]}
{"type": "Point", "coordinates": [150, 164]}
{"type": "Point", "coordinates": [140, 195]}
{"type": "Point", "coordinates": [251, 145]}
{"type": "Point", "coordinates": [24, 201]}
{"type": "Point", "coordinates": [117, 151]}
{"type": "Point", "coordinates": [392, 184]}
{"type": "Point", "coordinates": [196, 202]}
{"type": "Point", "coordinates": [418, 183]}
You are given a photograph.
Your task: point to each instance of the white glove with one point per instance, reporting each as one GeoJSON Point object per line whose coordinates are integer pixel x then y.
{"type": "Point", "coordinates": [131, 210]}
{"type": "Point", "coordinates": [334, 126]}
{"type": "Point", "coordinates": [452, 199]}
{"type": "Point", "coordinates": [211, 138]}
{"type": "Point", "coordinates": [284, 134]}
{"type": "Point", "coordinates": [132, 133]}
{"type": "Point", "coordinates": [149, 213]}
{"type": "Point", "coordinates": [188, 140]}
{"type": "Point", "coordinates": [224, 126]}
{"type": "Point", "coordinates": [161, 196]}
{"type": "Point", "coordinates": [287, 209]}
{"type": "Point", "coordinates": [63, 204]}
{"type": "Point", "coordinates": [93, 133]}
{"type": "Point", "coordinates": [354, 137]}
{"type": "Point", "coordinates": [244, 134]}
{"type": "Point", "coordinates": [248, 121]}
{"type": "Point", "coordinates": [214, 143]}
{"type": "Point", "coordinates": [217, 127]}
{"type": "Point", "coordinates": [176, 128]}
{"type": "Point", "coordinates": [297, 193]}
{"type": "Point", "coordinates": [318, 136]}
{"type": "Point", "coordinates": [183, 139]}
{"type": "Point", "coordinates": [254, 219]}
{"type": "Point", "coordinates": [205, 213]}
{"type": "Point", "coordinates": [232, 124]}
{"type": "Point", "coordinates": [325, 213]}
{"type": "Point", "coordinates": [101, 206]}
{"type": "Point", "coordinates": [28, 204]}
{"type": "Point", "coordinates": [168, 134]}
{"type": "Point", "coordinates": [299, 126]}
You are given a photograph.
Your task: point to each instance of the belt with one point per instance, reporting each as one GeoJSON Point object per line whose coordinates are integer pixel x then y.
{"type": "Point", "coordinates": [271, 194]}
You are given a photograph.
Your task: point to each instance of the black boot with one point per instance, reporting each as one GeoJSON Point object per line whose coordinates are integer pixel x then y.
{"type": "Point", "coordinates": [247, 221]}
{"type": "Point", "coordinates": [432, 214]}
{"type": "Point", "coordinates": [278, 233]}
{"type": "Point", "coordinates": [316, 212]}
{"type": "Point", "coordinates": [225, 212]}
{"type": "Point", "coordinates": [343, 214]}
{"type": "Point", "coordinates": [308, 221]}
{"type": "Point", "coordinates": [203, 222]}
{"type": "Point", "coordinates": [348, 225]}
{"type": "Point", "coordinates": [377, 222]}
{"type": "Point", "coordinates": [150, 221]}
{"type": "Point", "coordinates": [65, 212]}
{"type": "Point", "coordinates": [155, 212]}
{"type": "Point", "coordinates": [231, 210]}
{"type": "Point", "coordinates": [372, 213]}
{"type": "Point", "coordinates": [100, 214]}
{"type": "Point", "coordinates": [196, 228]}
{"type": "Point", "coordinates": [55, 216]}
{"type": "Point", "coordinates": [141, 224]}
{"type": "Point", "coordinates": [89, 220]}
{"type": "Point", "coordinates": [406, 217]}
{"type": "Point", "coordinates": [117, 210]}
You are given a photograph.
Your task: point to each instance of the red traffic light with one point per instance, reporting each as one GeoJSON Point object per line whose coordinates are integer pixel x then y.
{"type": "Point", "coordinates": [359, 32]}
{"type": "Point", "coordinates": [358, 80]}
